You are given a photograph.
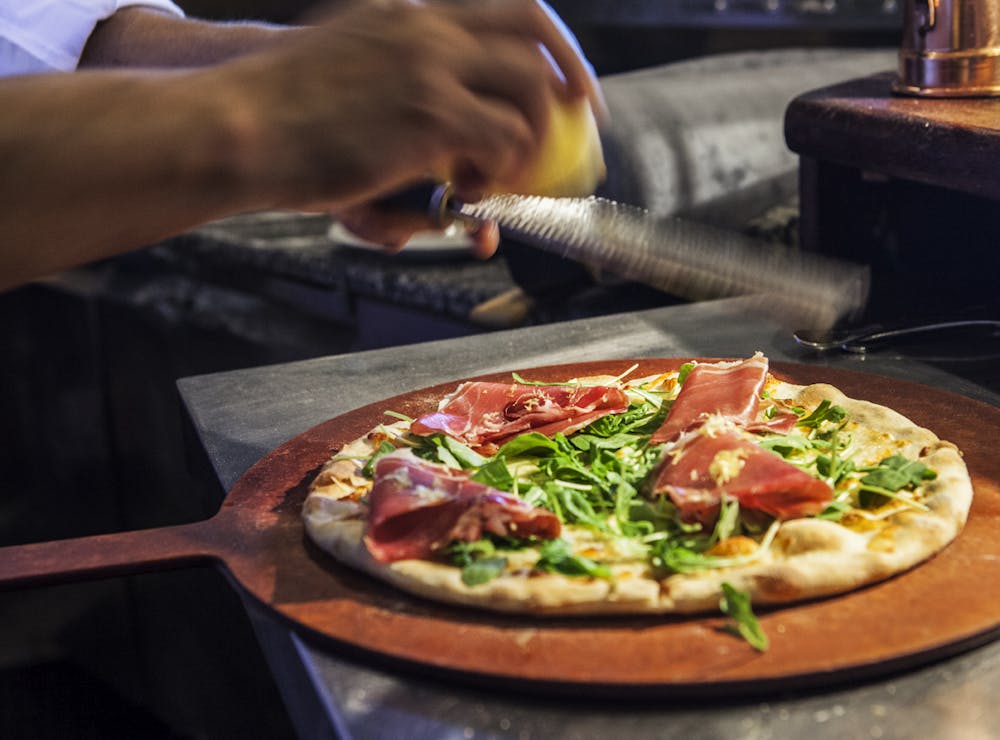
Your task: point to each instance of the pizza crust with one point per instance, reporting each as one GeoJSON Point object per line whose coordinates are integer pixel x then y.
{"type": "Point", "coordinates": [809, 558]}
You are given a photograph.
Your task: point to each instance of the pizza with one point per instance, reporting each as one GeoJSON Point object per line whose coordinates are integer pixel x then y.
{"type": "Point", "coordinates": [658, 494]}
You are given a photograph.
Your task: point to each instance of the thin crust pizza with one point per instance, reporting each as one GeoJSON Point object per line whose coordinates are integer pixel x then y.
{"type": "Point", "coordinates": [624, 495]}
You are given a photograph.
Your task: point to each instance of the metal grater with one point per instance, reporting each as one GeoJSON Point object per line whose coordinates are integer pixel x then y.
{"type": "Point", "coordinates": [687, 259]}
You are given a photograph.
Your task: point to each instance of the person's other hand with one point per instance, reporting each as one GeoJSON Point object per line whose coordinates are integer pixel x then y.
{"type": "Point", "coordinates": [393, 230]}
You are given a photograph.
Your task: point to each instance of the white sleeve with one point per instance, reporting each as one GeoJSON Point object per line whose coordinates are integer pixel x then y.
{"type": "Point", "coordinates": [48, 35]}
{"type": "Point", "coordinates": [166, 5]}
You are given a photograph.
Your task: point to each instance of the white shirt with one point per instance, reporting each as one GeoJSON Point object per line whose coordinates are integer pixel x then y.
{"type": "Point", "coordinates": [49, 35]}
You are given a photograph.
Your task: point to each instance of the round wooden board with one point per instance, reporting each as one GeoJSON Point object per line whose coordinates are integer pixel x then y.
{"type": "Point", "coordinates": [949, 603]}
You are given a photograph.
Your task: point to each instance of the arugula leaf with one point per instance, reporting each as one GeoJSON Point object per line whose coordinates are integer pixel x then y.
{"type": "Point", "coordinates": [465, 455]}
{"type": "Point", "coordinates": [592, 474]}
{"type": "Point", "coordinates": [871, 497]}
{"type": "Point", "coordinates": [628, 464]}
{"type": "Point", "coordinates": [482, 571]}
{"type": "Point", "coordinates": [546, 497]}
{"type": "Point", "coordinates": [461, 552]}
{"type": "Point", "coordinates": [533, 442]}
{"type": "Point", "coordinates": [575, 508]}
{"type": "Point", "coordinates": [896, 473]}
{"type": "Point", "coordinates": [786, 444]}
{"type": "Point", "coordinates": [684, 559]}
{"type": "Point", "coordinates": [555, 556]}
{"type": "Point", "coordinates": [445, 457]}
{"type": "Point", "coordinates": [660, 513]}
{"type": "Point", "coordinates": [429, 448]}
{"type": "Point", "coordinates": [736, 605]}
{"type": "Point", "coordinates": [446, 450]}
{"type": "Point", "coordinates": [495, 474]}
{"type": "Point", "coordinates": [535, 496]}
{"type": "Point", "coordinates": [684, 552]}
{"type": "Point", "coordinates": [892, 475]}
{"type": "Point", "coordinates": [826, 411]}
{"type": "Point", "coordinates": [682, 549]}
{"type": "Point", "coordinates": [587, 442]}
{"type": "Point", "coordinates": [368, 471]}
{"type": "Point", "coordinates": [478, 560]}
{"type": "Point", "coordinates": [654, 398]}
{"type": "Point", "coordinates": [397, 415]}
{"type": "Point", "coordinates": [625, 504]}
{"type": "Point", "coordinates": [568, 504]}
{"type": "Point", "coordinates": [834, 468]}
{"type": "Point", "coordinates": [728, 522]}
{"type": "Point", "coordinates": [639, 418]}
{"type": "Point", "coordinates": [586, 486]}
{"type": "Point", "coordinates": [683, 371]}
{"type": "Point", "coordinates": [521, 381]}
{"type": "Point", "coordinates": [834, 511]}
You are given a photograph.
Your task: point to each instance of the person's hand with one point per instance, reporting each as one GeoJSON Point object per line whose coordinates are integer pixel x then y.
{"type": "Point", "coordinates": [385, 94]}
{"type": "Point", "coordinates": [393, 230]}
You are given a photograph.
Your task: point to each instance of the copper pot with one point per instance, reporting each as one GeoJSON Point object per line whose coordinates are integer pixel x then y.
{"type": "Point", "coordinates": [950, 48]}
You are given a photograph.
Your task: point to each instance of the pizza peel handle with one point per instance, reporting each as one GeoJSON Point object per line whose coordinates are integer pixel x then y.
{"type": "Point", "coordinates": [106, 555]}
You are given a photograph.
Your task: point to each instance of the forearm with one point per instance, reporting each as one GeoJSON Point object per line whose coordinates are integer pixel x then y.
{"type": "Point", "coordinates": [97, 164]}
{"type": "Point", "coordinates": [142, 37]}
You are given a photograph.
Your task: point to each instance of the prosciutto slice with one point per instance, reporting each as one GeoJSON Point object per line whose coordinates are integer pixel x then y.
{"type": "Point", "coordinates": [731, 391]}
{"type": "Point", "coordinates": [417, 507]}
{"type": "Point", "coordinates": [481, 413]}
{"type": "Point", "coordinates": [782, 423]}
{"type": "Point", "coordinates": [696, 476]}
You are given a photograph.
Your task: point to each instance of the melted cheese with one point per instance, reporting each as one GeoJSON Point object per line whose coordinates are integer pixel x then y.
{"type": "Point", "coordinates": [726, 465]}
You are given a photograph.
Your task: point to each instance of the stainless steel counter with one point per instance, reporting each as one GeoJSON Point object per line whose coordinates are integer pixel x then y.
{"type": "Point", "coordinates": [242, 415]}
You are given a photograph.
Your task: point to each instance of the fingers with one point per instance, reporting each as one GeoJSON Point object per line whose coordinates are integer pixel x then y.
{"type": "Point", "coordinates": [386, 94]}
{"type": "Point", "coordinates": [491, 138]}
{"type": "Point", "coordinates": [513, 70]}
{"type": "Point", "coordinates": [394, 230]}
{"type": "Point", "coordinates": [486, 239]}
{"type": "Point", "coordinates": [535, 19]}
{"type": "Point", "coordinates": [389, 229]}
{"type": "Point", "coordinates": [575, 58]}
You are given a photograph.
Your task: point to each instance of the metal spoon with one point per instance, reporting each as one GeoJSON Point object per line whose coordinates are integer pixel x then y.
{"type": "Point", "coordinates": [859, 339]}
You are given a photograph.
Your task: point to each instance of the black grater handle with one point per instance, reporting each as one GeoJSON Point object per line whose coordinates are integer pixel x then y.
{"type": "Point", "coordinates": [432, 199]}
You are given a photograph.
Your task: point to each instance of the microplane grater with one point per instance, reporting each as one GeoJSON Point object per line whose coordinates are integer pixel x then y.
{"type": "Point", "coordinates": [687, 259]}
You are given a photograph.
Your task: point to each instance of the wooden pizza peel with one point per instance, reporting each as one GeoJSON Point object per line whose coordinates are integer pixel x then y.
{"type": "Point", "coordinates": [949, 604]}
